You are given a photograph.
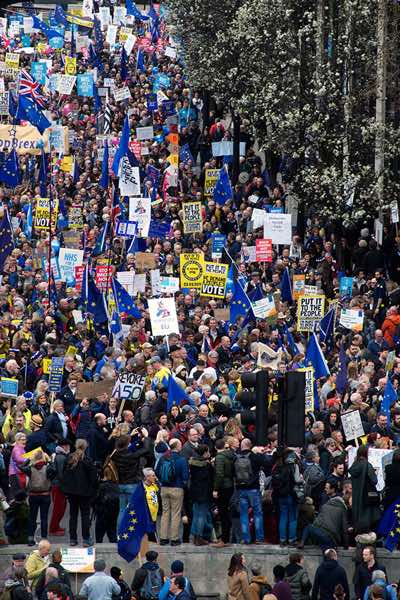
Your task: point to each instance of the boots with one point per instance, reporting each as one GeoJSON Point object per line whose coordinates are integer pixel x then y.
{"type": "Point", "coordinates": [198, 541]}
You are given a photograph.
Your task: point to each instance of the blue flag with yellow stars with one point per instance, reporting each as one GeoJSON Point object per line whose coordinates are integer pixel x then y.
{"type": "Point", "coordinates": [6, 240]}
{"type": "Point", "coordinates": [9, 170]}
{"type": "Point", "coordinates": [223, 188]}
{"type": "Point", "coordinates": [29, 111]}
{"type": "Point", "coordinates": [135, 523]}
{"type": "Point", "coordinates": [389, 526]}
{"type": "Point", "coordinates": [240, 304]}
{"type": "Point", "coordinates": [92, 299]}
{"type": "Point", "coordinates": [124, 301]}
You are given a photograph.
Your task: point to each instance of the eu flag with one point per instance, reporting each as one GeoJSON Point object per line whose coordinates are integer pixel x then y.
{"type": "Point", "coordinates": [135, 523]}
{"type": "Point", "coordinates": [389, 397]}
{"type": "Point", "coordinates": [104, 181]}
{"type": "Point", "coordinates": [290, 341]}
{"type": "Point", "coordinates": [123, 147]}
{"type": "Point", "coordinates": [140, 66]}
{"type": "Point", "coordinates": [29, 222]}
{"type": "Point", "coordinates": [28, 111]}
{"type": "Point", "coordinates": [240, 304]}
{"type": "Point", "coordinates": [92, 299]}
{"type": "Point", "coordinates": [43, 172]}
{"type": "Point", "coordinates": [6, 240]}
{"type": "Point", "coordinates": [286, 287]}
{"type": "Point", "coordinates": [9, 170]}
{"type": "Point", "coordinates": [132, 9]}
{"type": "Point", "coordinates": [326, 328]}
{"type": "Point", "coordinates": [176, 394]}
{"type": "Point", "coordinates": [98, 35]}
{"type": "Point", "coordinates": [45, 29]}
{"type": "Point", "coordinates": [389, 526]}
{"type": "Point", "coordinates": [124, 301]}
{"type": "Point", "coordinates": [341, 379]}
{"type": "Point", "coordinates": [223, 188]}
{"type": "Point", "coordinates": [59, 16]}
{"type": "Point", "coordinates": [124, 64]}
{"type": "Point", "coordinates": [314, 357]}
{"type": "Point", "coordinates": [185, 155]}
{"type": "Point", "coordinates": [100, 245]}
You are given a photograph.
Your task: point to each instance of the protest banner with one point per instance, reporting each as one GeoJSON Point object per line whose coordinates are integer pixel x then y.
{"type": "Point", "coordinates": [346, 287]}
{"type": "Point", "coordinates": [129, 178]}
{"type": "Point", "coordinates": [94, 389]}
{"type": "Point", "coordinates": [56, 373]}
{"type": "Point", "coordinates": [42, 213]}
{"type": "Point", "coordinates": [27, 139]}
{"type": "Point", "coordinates": [68, 260]}
{"type": "Point", "coordinates": [263, 250]}
{"type": "Point", "coordinates": [163, 318]}
{"type": "Point", "coordinates": [129, 386]}
{"type": "Point", "coordinates": [192, 219]}
{"type": "Point", "coordinates": [121, 94]}
{"type": "Point", "coordinates": [4, 103]}
{"type": "Point", "coordinates": [352, 319]}
{"type": "Point", "coordinates": [103, 277]}
{"type": "Point", "coordinates": [78, 560]}
{"type": "Point", "coordinates": [278, 228]}
{"type": "Point", "coordinates": [79, 271]}
{"type": "Point", "coordinates": [211, 178]}
{"type": "Point", "coordinates": [214, 280]}
{"type": "Point", "coordinates": [309, 388]}
{"type": "Point", "coordinates": [191, 270]}
{"type": "Point", "coordinates": [352, 425]}
{"type": "Point", "coordinates": [310, 311]}
{"type": "Point", "coordinates": [218, 243]}
{"type": "Point", "coordinates": [9, 387]}
{"type": "Point", "coordinates": [264, 308]}
{"type": "Point", "coordinates": [299, 282]}
{"type": "Point", "coordinates": [144, 133]}
{"type": "Point", "coordinates": [169, 285]}
{"type": "Point", "coordinates": [145, 261]}
{"type": "Point", "coordinates": [140, 212]}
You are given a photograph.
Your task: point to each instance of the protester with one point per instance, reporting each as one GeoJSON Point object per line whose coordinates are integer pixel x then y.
{"type": "Point", "coordinates": [238, 583]}
{"type": "Point", "coordinates": [99, 586]}
{"type": "Point", "coordinates": [148, 579]}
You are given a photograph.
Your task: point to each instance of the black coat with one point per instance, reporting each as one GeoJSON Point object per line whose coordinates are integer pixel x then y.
{"type": "Point", "coordinates": [36, 439]}
{"type": "Point", "coordinates": [67, 396]}
{"type": "Point", "coordinates": [201, 480]}
{"type": "Point", "coordinates": [80, 480]}
{"type": "Point", "coordinates": [99, 444]}
{"type": "Point", "coordinates": [392, 483]}
{"type": "Point", "coordinates": [53, 429]}
{"type": "Point", "coordinates": [328, 575]}
{"type": "Point", "coordinates": [363, 577]}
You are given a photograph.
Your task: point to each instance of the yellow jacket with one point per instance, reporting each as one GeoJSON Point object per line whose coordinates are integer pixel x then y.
{"type": "Point", "coordinates": [35, 564]}
{"type": "Point", "coordinates": [9, 421]}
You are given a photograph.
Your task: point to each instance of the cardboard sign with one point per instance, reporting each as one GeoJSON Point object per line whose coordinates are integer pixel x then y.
{"type": "Point", "coordinates": [222, 314]}
{"type": "Point", "coordinates": [163, 317]}
{"type": "Point", "coordinates": [211, 178]}
{"type": "Point", "coordinates": [145, 260]}
{"type": "Point", "coordinates": [352, 319]}
{"type": "Point", "coordinates": [215, 276]}
{"type": "Point", "coordinates": [93, 389]}
{"type": "Point", "coordinates": [310, 311]}
{"type": "Point", "coordinates": [129, 386]}
{"type": "Point", "coordinates": [191, 270]}
{"type": "Point", "coordinates": [352, 425]}
{"type": "Point", "coordinates": [299, 282]}
{"type": "Point", "coordinates": [278, 228]}
{"type": "Point", "coordinates": [192, 219]}
{"type": "Point", "coordinates": [4, 103]}
{"type": "Point", "coordinates": [264, 250]}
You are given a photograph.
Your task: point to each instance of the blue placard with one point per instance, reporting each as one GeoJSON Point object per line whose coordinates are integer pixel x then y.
{"type": "Point", "coordinates": [56, 373]}
{"type": "Point", "coordinates": [126, 229]}
{"type": "Point", "coordinates": [346, 287]}
{"type": "Point", "coordinates": [84, 84]}
{"type": "Point", "coordinates": [152, 103]}
{"type": "Point", "coordinates": [218, 243]}
{"type": "Point", "coordinates": [9, 387]}
{"type": "Point", "coordinates": [276, 209]}
{"type": "Point", "coordinates": [26, 40]}
{"type": "Point", "coordinates": [56, 42]}
{"type": "Point", "coordinates": [39, 72]}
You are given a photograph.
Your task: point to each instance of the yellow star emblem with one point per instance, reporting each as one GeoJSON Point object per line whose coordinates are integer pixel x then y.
{"type": "Point", "coordinates": [125, 536]}
{"type": "Point", "coordinates": [131, 529]}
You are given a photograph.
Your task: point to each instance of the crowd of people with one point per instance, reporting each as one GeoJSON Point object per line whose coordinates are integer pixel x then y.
{"type": "Point", "coordinates": [192, 447]}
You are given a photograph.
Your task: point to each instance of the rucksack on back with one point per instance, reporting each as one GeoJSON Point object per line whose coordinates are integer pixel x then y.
{"type": "Point", "coordinates": [110, 471]}
{"type": "Point", "coordinates": [243, 470]}
{"type": "Point", "coordinates": [38, 480]}
{"type": "Point", "coordinates": [165, 470]}
{"type": "Point", "coordinates": [150, 590]}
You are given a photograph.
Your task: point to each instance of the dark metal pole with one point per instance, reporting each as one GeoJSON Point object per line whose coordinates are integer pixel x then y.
{"type": "Point", "coordinates": [236, 147]}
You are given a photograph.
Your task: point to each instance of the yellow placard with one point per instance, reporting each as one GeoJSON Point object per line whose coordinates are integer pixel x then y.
{"type": "Point", "coordinates": [124, 32]}
{"type": "Point", "coordinates": [42, 213]}
{"type": "Point", "coordinates": [41, 47]}
{"type": "Point", "coordinates": [12, 60]}
{"type": "Point", "coordinates": [70, 65]}
{"type": "Point", "coordinates": [214, 280]}
{"type": "Point", "coordinates": [67, 164]}
{"type": "Point", "coordinates": [173, 160]}
{"type": "Point", "coordinates": [191, 270]}
{"type": "Point", "coordinates": [31, 453]}
{"type": "Point", "coordinates": [74, 16]}
{"type": "Point", "coordinates": [46, 362]}
{"type": "Point", "coordinates": [310, 310]}
{"type": "Point", "coordinates": [72, 350]}
{"type": "Point", "coordinates": [211, 178]}
{"type": "Point", "coordinates": [27, 139]}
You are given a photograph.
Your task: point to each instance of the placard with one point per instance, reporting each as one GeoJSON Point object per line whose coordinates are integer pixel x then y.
{"type": "Point", "coordinates": [155, 282]}
{"type": "Point", "coordinates": [75, 217]}
{"type": "Point", "coordinates": [68, 259]}
{"type": "Point", "coordinates": [42, 213]}
{"type": "Point", "coordinates": [192, 219]}
{"type": "Point", "coordinates": [56, 373]}
{"type": "Point", "coordinates": [4, 103]}
{"type": "Point", "coordinates": [264, 308]}
{"type": "Point", "coordinates": [103, 277]}
{"type": "Point", "coordinates": [352, 425]}
{"type": "Point", "coordinates": [264, 250]}
{"type": "Point", "coordinates": [278, 228]}
{"type": "Point", "coordinates": [218, 244]}
{"type": "Point", "coordinates": [191, 270]}
{"type": "Point", "coordinates": [346, 287]}
{"type": "Point", "coordinates": [9, 387]}
{"type": "Point", "coordinates": [169, 285]}
{"type": "Point", "coordinates": [309, 388]}
{"type": "Point", "coordinates": [65, 84]}
{"type": "Point", "coordinates": [129, 386]}
{"type": "Point", "coordinates": [129, 179]}
{"type": "Point", "coordinates": [126, 279]}
{"type": "Point", "coordinates": [352, 319]}
{"type": "Point", "coordinates": [126, 229]}
{"type": "Point", "coordinates": [309, 312]}
{"type": "Point", "coordinates": [144, 133]}
{"type": "Point", "coordinates": [299, 282]}
{"type": "Point", "coordinates": [79, 271]}
{"type": "Point", "coordinates": [211, 178]}
{"type": "Point", "coordinates": [214, 280]}
{"type": "Point", "coordinates": [394, 211]}
{"type": "Point", "coordinates": [145, 260]}
{"type": "Point", "coordinates": [163, 318]}
{"type": "Point", "coordinates": [12, 60]}
{"type": "Point", "coordinates": [121, 94]}
{"type": "Point", "coordinates": [94, 389]}
{"type": "Point", "coordinates": [140, 212]}
{"type": "Point", "coordinates": [78, 560]}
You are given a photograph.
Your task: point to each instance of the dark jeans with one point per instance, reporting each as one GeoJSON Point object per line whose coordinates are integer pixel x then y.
{"type": "Point", "coordinates": [76, 504]}
{"type": "Point", "coordinates": [319, 536]}
{"type": "Point", "coordinates": [36, 504]}
{"type": "Point", "coordinates": [223, 499]}
{"type": "Point", "coordinates": [106, 526]}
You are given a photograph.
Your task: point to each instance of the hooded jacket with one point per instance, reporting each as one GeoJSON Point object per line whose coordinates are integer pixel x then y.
{"type": "Point", "coordinates": [201, 479]}
{"type": "Point", "coordinates": [257, 585]}
{"type": "Point", "coordinates": [332, 519]}
{"type": "Point", "coordinates": [299, 581]}
{"type": "Point", "coordinates": [328, 575]}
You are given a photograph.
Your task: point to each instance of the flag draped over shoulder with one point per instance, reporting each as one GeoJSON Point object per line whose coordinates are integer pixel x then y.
{"type": "Point", "coordinates": [135, 523]}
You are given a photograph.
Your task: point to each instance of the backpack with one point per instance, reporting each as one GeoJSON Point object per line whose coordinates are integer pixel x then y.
{"type": "Point", "coordinates": [264, 589]}
{"type": "Point", "coordinates": [243, 469]}
{"type": "Point", "coordinates": [38, 481]}
{"type": "Point", "coordinates": [165, 470]}
{"type": "Point", "coordinates": [150, 590]}
{"type": "Point", "coordinates": [110, 471]}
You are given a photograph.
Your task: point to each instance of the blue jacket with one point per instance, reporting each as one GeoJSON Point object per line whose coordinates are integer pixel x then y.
{"type": "Point", "coordinates": [390, 592]}
{"type": "Point", "coordinates": [181, 471]}
{"type": "Point", "coordinates": [166, 595]}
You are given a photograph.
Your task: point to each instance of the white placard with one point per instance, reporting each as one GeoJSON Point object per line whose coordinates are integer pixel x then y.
{"type": "Point", "coordinates": [28, 24]}
{"type": "Point", "coordinates": [352, 319]}
{"type": "Point", "coordinates": [278, 228]}
{"type": "Point", "coordinates": [140, 211]}
{"type": "Point", "coordinates": [163, 317]}
{"type": "Point", "coordinates": [144, 133]}
{"type": "Point", "coordinates": [258, 217]}
{"type": "Point", "coordinates": [129, 386]}
{"type": "Point", "coordinates": [129, 179]}
{"type": "Point", "coordinates": [111, 34]}
{"type": "Point", "coordinates": [378, 229]}
{"type": "Point", "coordinates": [65, 84]}
{"type": "Point", "coordinates": [248, 254]}
{"type": "Point", "coordinates": [129, 43]}
{"type": "Point", "coordinates": [105, 16]}
{"type": "Point", "coordinates": [78, 560]}
{"type": "Point", "coordinates": [126, 279]}
{"type": "Point", "coordinates": [155, 282]}
{"type": "Point", "coordinates": [352, 425]}
{"type": "Point", "coordinates": [394, 211]}
{"type": "Point", "coordinates": [109, 82]}
{"type": "Point", "coordinates": [171, 52]}
{"type": "Point", "coordinates": [68, 259]}
{"type": "Point", "coordinates": [378, 458]}
{"type": "Point", "coordinates": [264, 308]}
{"type": "Point", "coordinates": [169, 285]}
{"type": "Point", "coordinates": [120, 94]}
{"type": "Point", "coordinates": [139, 284]}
